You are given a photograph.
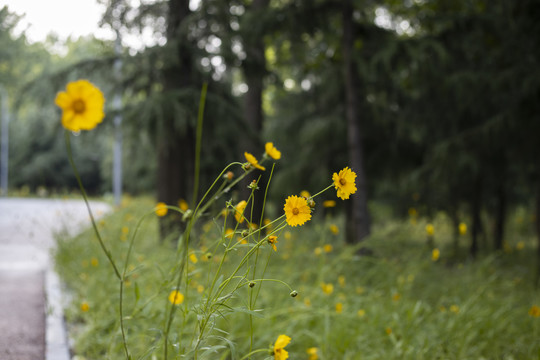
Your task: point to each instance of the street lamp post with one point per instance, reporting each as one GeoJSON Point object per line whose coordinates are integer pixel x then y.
{"type": "Point", "coordinates": [4, 143]}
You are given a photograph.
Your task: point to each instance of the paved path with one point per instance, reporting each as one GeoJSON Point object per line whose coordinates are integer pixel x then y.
{"type": "Point", "coordinates": [31, 318]}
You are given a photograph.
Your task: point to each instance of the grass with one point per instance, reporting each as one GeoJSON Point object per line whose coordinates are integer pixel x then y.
{"type": "Point", "coordinates": [394, 304]}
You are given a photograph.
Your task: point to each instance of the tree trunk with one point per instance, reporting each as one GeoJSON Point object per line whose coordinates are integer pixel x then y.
{"type": "Point", "coordinates": [175, 148]}
{"type": "Point", "coordinates": [358, 222]}
{"type": "Point", "coordinates": [537, 223]}
{"type": "Point", "coordinates": [254, 68]}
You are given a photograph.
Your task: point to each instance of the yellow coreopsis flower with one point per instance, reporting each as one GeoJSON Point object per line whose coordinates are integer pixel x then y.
{"type": "Point", "coordinates": [183, 205]}
{"type": "Point", "coordinates": [279, 347]}
{"type": "Point", "coordinates": [272, 151]}
{"type": "Point", "coordinates": [334, 229]}
{"type": "Point", "coordinates": [435, 254]}
{"type": "Point", "coordinates": [239, 214]}
{"type": "Point", "coordinates": [297, 210]}
{"type": "Point", "coordinates": [272, 240]}
{"type": "Point", "coordinates": [176, 297]}
{"type": "Point", "coordinates": [329, 203]}
{"type": "Point", "coordinates": [339, 308]}
{"type": "Point", "coordinates": [534, 311]}
{"type": "Point", "coordinates": [327, 288]}
{"type": "Point", "coordinates": [85, 307]}
{"type": "Point", "coordinates": [253, 161]}
{"type": "Point", "coordinates": [161, 209]}
{"type": "Point", "coordinates": [82, 105]}
{"type": "Point", "coordinates": [344, 183]}
{"type": "Point", "coordinates": [430, 229]}
{"type": "Point", "coordinates": [313, 353]}
{"type": "Point", "coordinates": [462, 229]}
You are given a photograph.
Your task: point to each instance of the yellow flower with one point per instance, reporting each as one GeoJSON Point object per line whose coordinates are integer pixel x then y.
{"type": "Point", "coordinates": [534, 311]}
{"type": "Point", "coordinates": [435, 254]}
{"type": "Point", "coordinates": [388, 331]}
{"type": "Point", "coordinates": [272, 151]}
{"type": "Point", "coordinates": [85, 307]}
{"type": "Point", "coordinates": [520, 245]}
{"type": "Point", "coordinates": [125, 230]}
{"type": "Point", "coordinates": [176, 297]}
{"type": "Point", "coordinates": [396, 297]}
{"type": "Point", "coordinates": [82, 105]}
{"type": "Point", "coordinates": [454, 309]}
{"type": "Point", "coordinates": [253, 161]}
{"type": "Point", "coordinates": [229, 233]}
{"type": "Point", "coordinates": [430, 230]}
{"type": "Point", "coordinates": [183, 205]}
{"type": "Point", "coordinates": [328, 248]}
{"type": "Point", "coordinates": [334, 229]}
{"type": "Point", "coordinates": [200, 289]}
{"type": "Point", "coordinates": [297, 211]}
{"type": "Point", "coordinates": [329, 203]}
{"type": "Point", "coordinates": [161, 209]}
{"type": "Point", "coordinates": [279, 347]}
{"type": "Point", "coordinates": [327, 288]}
{"type": "Point", "coordinates": [413, 212]}
{"type": "Point", "coordinates": [344, 183]}
{"type": "Point", "coordinates": [94, 261]}
{"type": "Point", "coordinates": [272, 240]}
{"type": "Point", "coordinates": [462, 229]}
{"type": "Point", "coordinates": [317, 251]}
{"type": "Point", "coordinates": [339, 308]}
{"type": "Point", "coordinates": [239, 214]}
{"type": "Point", "coordinates": [193, 258]}
{"type": "Point", "coordinates": [341, 280]}
{"type": "Point", "coordinates": [312, 352]}
{"type": "Point", "coordinates": [361, 313]}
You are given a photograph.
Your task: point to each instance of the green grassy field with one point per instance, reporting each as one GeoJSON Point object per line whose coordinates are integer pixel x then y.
{"type": "Point", "coordinates": [396, 303]}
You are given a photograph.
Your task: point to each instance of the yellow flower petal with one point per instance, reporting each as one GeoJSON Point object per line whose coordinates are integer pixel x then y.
{"type": "Point", "coordinates": [297, 210]}
{"type": "Point", "coordinates": [344, 182]}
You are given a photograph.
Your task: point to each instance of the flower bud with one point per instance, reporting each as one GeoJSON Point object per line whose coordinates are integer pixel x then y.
{"type": "Point", "coordinates": [294, 293]}
{"type": "Point", "coordinates": [251, 284]}
{"type": "Point", "coordinates": [311, 203]}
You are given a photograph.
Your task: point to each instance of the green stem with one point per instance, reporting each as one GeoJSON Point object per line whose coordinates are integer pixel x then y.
{"type": "Point", "coordinates": [85, 197]}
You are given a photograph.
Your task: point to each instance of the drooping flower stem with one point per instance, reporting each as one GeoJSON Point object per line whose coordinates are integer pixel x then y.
{"type": "Point", "coordinates": [85, 197]}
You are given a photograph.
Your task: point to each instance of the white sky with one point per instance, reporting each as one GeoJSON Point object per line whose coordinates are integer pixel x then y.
{"type": "Point", "coordinates": [63, 17]}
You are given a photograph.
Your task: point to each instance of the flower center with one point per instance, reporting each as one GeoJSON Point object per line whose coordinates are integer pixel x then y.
{"type": "Point", "coordinates": [79, 106]}
{"type": "Point", "coordinates": [295, 211]}
{"type": "Point", "coordinates": [342, 181]}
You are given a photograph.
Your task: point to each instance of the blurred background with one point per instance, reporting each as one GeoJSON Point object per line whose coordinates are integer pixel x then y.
{"type": "Point", "coordinates": [433, 103]}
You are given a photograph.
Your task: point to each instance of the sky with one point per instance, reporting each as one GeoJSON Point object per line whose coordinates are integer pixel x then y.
{"type": "Point", "coordinates": [63, 17]}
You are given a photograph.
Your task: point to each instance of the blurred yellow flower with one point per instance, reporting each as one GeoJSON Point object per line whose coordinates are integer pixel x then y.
{"type": "Point", "coordinates": [253, 161]}
{"type": "Point", "coordinates": [317, 251]}
{"type": "Point", "coordinates": [327, 288]}
{"type": "Point", "coordinates": [176, 297]}
{"type": "Point", "coordinates": [435, 254]}
{"type": "Point", "coordinates": [200, 289]}
{"type": "Point", "coordinates": [193, 258]}
{"type": "Point", "coordinates": [297, 211]}
{"type": "Point", "coordinates": [388, 331]}
{"type": "Point", "coordinates": [413, 212]}
{"type": "Point", "coordinates": [229, 233]}
{"type": "Point", "coordinates": [396, 297]}
{"type": "Point", "coordinates": [305, 194]}
{"type": "Point", "coordinates": [239, 213]}
{"type": "Point", "coordinates": [328, 248]}
{"type": "Point", "coordinates": [344, 182]}
{"type": "Point", "coordinates": [272, 240]}
{"type": "Point", "coordinates": [161, 209]}
{"type": "Point", "coordinates": [454, 309]}
{"type": "Point", "coordinates": [341, 280]}
{"type": "Point", "coordinates": [334, 229]}
{"type": "Point", "coordinates": [520, 245]}
{"type": "Point", "coordinates": [534, 311]}
{"type": "Point", "coordinates": [183, 205]}
{"type": "Point", "coordinates": [361, 313]}
{"type": "Point", "coordinates": [82, 105]}
{"type": "Point", "coordinates": [329, 203]}
{"type": "Point", "coordinates": [94, 261]}
{"type": "Point", "coordinates": [279, 347]}
{"type": "Point", "coordinates": [125, 230]}
{"type": "Point", "coordinates": [360, 290]}
{"type": "Point", "coordinates": [272, 151]}
{"type": "Point", "coordinates": [85, 307]}
{"type": "Point", "coordinates": [339, 308]}
{"type": "Point", "coordinates": [307, 302]}
{"type": "Point", "coordinates": [313, 353]}
{"type": "Point", "coordinates": [430, 230]}
{"type": "Point", "coordinates": [462, 229]}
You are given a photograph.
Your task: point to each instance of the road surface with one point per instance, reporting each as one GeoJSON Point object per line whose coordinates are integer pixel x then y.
{"type": "Point", "coordinates": [31, 320]}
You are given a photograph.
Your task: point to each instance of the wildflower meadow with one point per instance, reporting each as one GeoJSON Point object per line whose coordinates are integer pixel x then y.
{"type": "Point", "coordinates": [288, 287]}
